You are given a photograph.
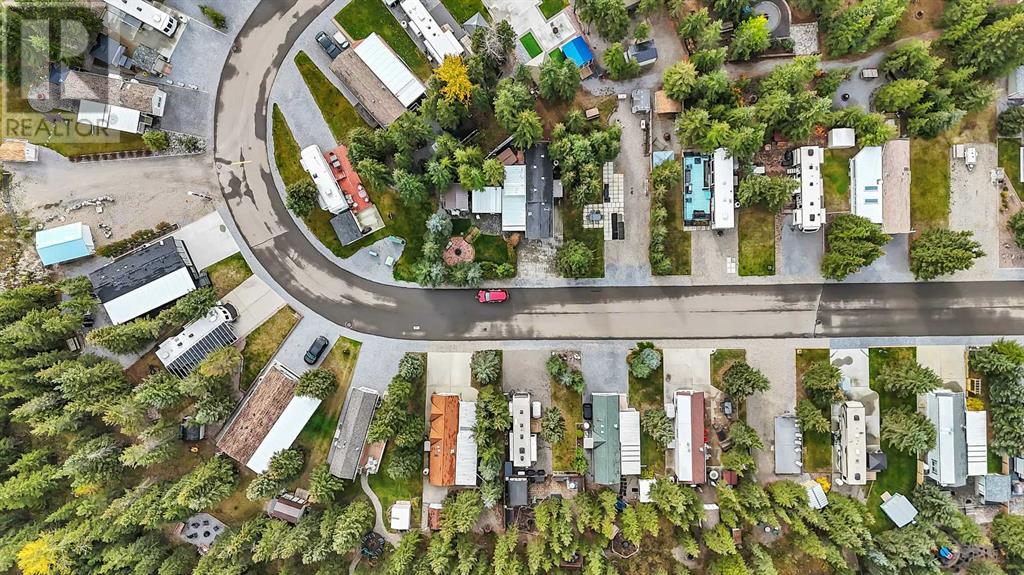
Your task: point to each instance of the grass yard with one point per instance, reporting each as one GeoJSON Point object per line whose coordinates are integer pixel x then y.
{"type": "Point", "coordinates": [363, 17]}
{"type": "Point", "coordinates": [722, 360]}
{"type": "Point", "coordinates": [1009, 161]}
{"type": "Point", "coordinates": [315, 437]}
{"type": "Point", "coordinates": [531, 45]}
{"type": "Point", "coordinates": [551, 7]}
{"type": "Point", "coordinates": [67, 138]}
{"type": "Point", "coordinates": [647, 394]}
{"type": "Point", "coordinates": [677, 245]}
{"type": "Point", "coordinates": [493, 249]}
{"type": "Point", "coordinates": [570, 404]}
{"type": "Point", "coordinates": [901, 474]}
{"type": "Point", "coordinates": [338, 112]}
{"type": "Point", "coordinates": [757, 241]}
{"type": "Point", "coordinates": [261, 344]}
{"type": "Point", "coordinates": [391, 490]}
{"type": "Point", "coordinates": [572, 229]}
{"type": "Point", "coordinates": [228, 273]}
{"type": "Point", "coordinates": [929, 188]}
{"type": "Point", "coordinates": [463, 10]}
{"type": "Point", "coordinates": [237, 508]}
{"type": "Point", "coordinates": [286, 150]}
{"type": "Point", "coordinates": [835, 171]}
{"type": "Point", "coordinates": [817, 446]}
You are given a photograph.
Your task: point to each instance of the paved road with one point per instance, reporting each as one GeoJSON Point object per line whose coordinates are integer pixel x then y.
{"type": "Point", "coordinates": [854, 310]}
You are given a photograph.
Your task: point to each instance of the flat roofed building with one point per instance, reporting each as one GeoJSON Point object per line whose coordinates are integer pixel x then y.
{"type": "Point", "coordinates": [896, 187]}
{"type": "Point", "coordinates": [443, 434]}
{"type": "Point", "coordinates": [355, 424]}
{"type": "Point", "coordinates": [268, 419]}
{"type": "Point", "coordinates": [439, 40]}
{"type": "Point", "coordinates": [519, 437]}
{"type": "Point", "coordinates": [64, 243]}
{"type": "Point", "coordinates": [465, 445]}
{"type": "Point", "coordinates": [390, 70]}
{"type": "Point", "coordinates": [377, 77]}
{"type": "Point", "coordinates": [724, 211]}
{"type": "Point", "coordinates": [182, 353]}
{"type": "Point", "coordinates": [629, 441]}
{"type": "Point", "coordinates": [839, 138]}
{"type": "Point", "coordinates": [810, 207]}
{"type": "Point", "coordinates": [788, 446]}
{"type": "Point", "coordinates": [107, 116]}
{"type": "Point", "coordinates": [866, 183]}
{"type": "Point", "coordinates": [540, 198]}
{"type": "Point", "coordinates": [976, 436]}
{"type": "Point", "coordinates": [329, 194]}
{"type": "Point", "coordinates": [606, 455]}
{"type": "Point", "coordinates": [401, 516]}
{"type": "Point", "coordinates": [947, 462]}
{"type": "Point", "coordinates": [115, 91]}
{"type": "Point", "coordinates": [147, 279]}
{"type": "Point", "coordinates": [688, 455]}
{"type": "Point", "coordinates": [851, 447]}
{"type": "Point", "coordinates": [513, 199]}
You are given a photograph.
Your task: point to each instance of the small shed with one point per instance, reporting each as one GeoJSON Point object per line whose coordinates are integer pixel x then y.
{"type": "Point", "coordinates": [518, 491]}
{"type": "Point", "coordinates": [641, 101]}
{"type": "Point", "coordinates": [839, 138]}
{"type": "Point", "coordinates": [401, 516]}
{"type": "Point", "coordinates": [993, 488]}
{"type": "Point", "coordinates": [289, 507]}
{"type": "Point", "coordinates": [898, 508]}
{"type": "Point", "coordinates": [816, 497]}
{"type": "Point", "coordinates": [645, 53]}
{"type": "Point", "coordinates": [645, 489]}
{"type": "Point", "coordinates": [64, 243]}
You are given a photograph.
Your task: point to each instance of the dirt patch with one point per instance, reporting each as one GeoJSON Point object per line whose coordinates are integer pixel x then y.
{"type": "Point", "coordinates": [922, 16]}
{"type": "Point", "coordinates": [552, 113]}
{"type": "Point", "coordinates": [1010, 254]}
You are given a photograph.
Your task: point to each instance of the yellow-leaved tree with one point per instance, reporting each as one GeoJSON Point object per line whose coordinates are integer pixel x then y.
{"type": "Point", "coordinates": [454, 77]}
{"type": "Point", "coordinates": [36, 557]}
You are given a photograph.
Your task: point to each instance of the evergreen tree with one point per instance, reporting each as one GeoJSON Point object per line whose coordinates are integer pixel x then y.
{"type": "Point", "coordinates": [907, 378]}
{"type": "Point", "coordinates": [907, 431]}
{"type": "Point", "coordinates": [899, 95]}
{"type": "Point", "coordinates": [619, 65]}
{"type": "Point", "coordinates": [559, 80]}
{"type": "Point", "coordinates": [126, 338]}
{"type": "Point", "coordinates": [810, 418]}
{"type": "Point", "coordinates": [486, 367]}
{"type": "Point", "coordinates": [574, 259]}
{"type": "Point", "coordinates": [679, 80]}
{"type": "Point", "coordinates": [852, 243]}
{"type": "Point", "coordinates": [301, 198]}
{"type": "Point", "coordinates": [774, 192]}
{"type": "Point", "coordinates": [821, 383]}
{"type": "Point", "coordinates": [527, 130]}
{"type": "Point", "coordinates": [318, 383]}
{"type": "Point", "coordinates": [206, 485]}
{"type": "Point", "coordinates": [940, 252]}
{"type": "Point", "coordinates": [740, 381]}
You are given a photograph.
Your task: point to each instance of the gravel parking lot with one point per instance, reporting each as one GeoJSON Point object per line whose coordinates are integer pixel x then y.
{"type": "Point", "coordinates": [525, 370]}
{"type": "Point", "coordinates": [974, 206]}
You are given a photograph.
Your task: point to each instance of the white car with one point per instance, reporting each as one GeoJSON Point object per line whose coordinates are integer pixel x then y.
{"type": "Point", "coordinates": [342, 41]}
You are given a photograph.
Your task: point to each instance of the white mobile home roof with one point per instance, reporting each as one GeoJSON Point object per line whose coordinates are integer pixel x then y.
{"type": "Point", "coordinates": [684, 434]}
{"type": "Point", "coordinates": [724, 212]}
{"type": "Point", "coordinates": [107, 116]}
{"type": "Point", "coordinates": [154, 294]}
{"type": "Point", "coordinates": [439, 42]}
{"type": "Point", "coordinates": [487, 201]}
{"type": "Point", "coordinates": [519, 435]}
{"type": "Point", "coordinates": [629, 441]}
{"type": "Point", "coordinates": [465, 445]}
{"type": "Point", "coordinates": [513, 199]}
{"type": "Point", "coordinates": [389, 69]}
{"type": "Point", "coordinates": [947, 462]}
{"type": "Point", "coordinates": [842, 138]}
{"type": "Point", "coordinates": [283, 433]}
{"type": "Point", "coordinates": [866, 183]}
{"type": "Point", "coordinates": [329, 194]}
{"type": "Point", "coordinates": [810, 211]}
{"type": "Point", "coordinates": [977, 443]}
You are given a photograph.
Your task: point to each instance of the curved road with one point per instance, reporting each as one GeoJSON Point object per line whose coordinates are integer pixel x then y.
{"type": "Point", "coordinates": [845, 310]}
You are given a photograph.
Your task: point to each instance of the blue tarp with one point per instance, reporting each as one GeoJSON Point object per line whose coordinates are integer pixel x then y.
{"type": "Point", "coordinates": [578, 51]}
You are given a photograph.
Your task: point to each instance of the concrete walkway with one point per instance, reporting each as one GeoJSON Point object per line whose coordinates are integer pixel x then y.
{"type": "Point", "coordinates": [378, 526]}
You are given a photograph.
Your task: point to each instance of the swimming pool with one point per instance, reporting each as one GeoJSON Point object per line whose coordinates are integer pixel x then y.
{"type": "Point", "coordinates": [696, 190]}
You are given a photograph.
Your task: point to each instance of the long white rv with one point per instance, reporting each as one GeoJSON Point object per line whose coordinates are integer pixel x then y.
{"type": "Point", "coordinates": [810, 208]}
{"type": "Point", "coordinates": [148, 14]}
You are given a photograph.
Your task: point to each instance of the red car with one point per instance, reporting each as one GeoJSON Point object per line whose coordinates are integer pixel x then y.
{"type": "Point", "coordinates": [491, 295]}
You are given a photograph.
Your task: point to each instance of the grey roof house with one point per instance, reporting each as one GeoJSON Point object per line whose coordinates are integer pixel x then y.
{"type": "Point", "coordinates": [947, 462]}
{"type": "Point", "coordinates": [643, 52]}
{"type": "Point", "coordinates": [539, 192]}
{"type": "Point", "coordinates": [347, 450]}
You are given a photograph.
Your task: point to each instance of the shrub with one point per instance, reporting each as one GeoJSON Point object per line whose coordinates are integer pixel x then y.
{"type": "Point", "coordinates": [574, 259]}
{"type": "Point", "coordinates": [1011, 121]}
{"type": "Point", "coordinates": [156, 140]}
{"type": "Point", "coordinates": [318, 383]}
{"type": "Point", "coordinates": [216, 18]}
{"type": "Point", "coordinates": [137, 239]}
{"type": "Point", "coordinates": [1016, 225]}
{"type": "Point", "coordinates": [301, 198]}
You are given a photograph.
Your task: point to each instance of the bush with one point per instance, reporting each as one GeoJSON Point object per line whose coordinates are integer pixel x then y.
{"type": "Point", "coordinates": [301, 198]}
{"type": "Point", "coordinates": [579, 462]}
{"type": "Point", "coordinates": [137, 239]}
{"type": "Point", "coordinates": [574, 259]}
{"type": "Point", "coordinates": [191, 144]}
{"type": "Point", "coordinates": [216, 18]}
{"type": "Point", "coordinates": [1016, 225]}
{"type": "Point", "coordinates": [318, 383]}
{"type": "Point", "coordinates": [156, 140]}
{"type": "Point", "coordinates": [1011, 121]}
{"type": "Point", "coordinates": [656, 423]}
{"type": "Point", "coordinates": [552, 425]}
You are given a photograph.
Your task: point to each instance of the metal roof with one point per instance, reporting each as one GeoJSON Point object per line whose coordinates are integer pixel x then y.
{"type": "Point", "coordinates": [899, 509]}
{"type": "Point", "coordinates": [606, 456]}
{"type": "Point", "coordinates": [976, 431]}
{"type": "Point", "coordinates": [348, 448]}
{"type": "Point", "coordinates": [145, 280]}
{"type": "Point", "coordinates": [389, 69]}
{"type": "Point", "coordinates": [183, 352]}
{"type": "Point", "coordinates": [723, 217]}
{"type": "Point", "coordinates": [284, 431]}
{"type": "Point", "coordinates": [518, 491]}
{"type": "Point", "coordinates": [866, 183]}
{"type": "Point", "coordinates": [465, 445]}
{"type": "Point", "coordinates": [689, 438]}
{"type": "Point", "coordinates": [513, 199]}
{"type": "Point", "coordinates": [629, 441]}
{"type": "Point", "coordinates": [994, 488]}
{"type": "Point", "coordinates": [788, 448]}
{"type": "Point", "coordinates": [64, 243]}
{"type": "Point", "coordinates": [539, 192]}
{"type": "Point", "coordinates": [947, 462]}
{"type": "Point", "coordinates": [486, 201]}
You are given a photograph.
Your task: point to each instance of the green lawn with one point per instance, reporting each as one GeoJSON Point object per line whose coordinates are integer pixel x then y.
{"type": "Point", "coordinates": [531, 45]}
{"type": "Point", "coordinates": [901, 474]}
{"type": "Point", "coordinates": [647, 394]}
{"type": "Point", "coordinates": [68, 138]}
{"type": "Point", "coordinates": [570, 404]}
{"type": "Point", "coordinates": [677, 245]}
{"type": "Point", "coordinates": [261, 344]}
{"type": "Point", "coordinates": [551, 7]}
{"type": "Point", "coordinates": [493, 249]}
{"type": "Point", "coordinates": [722, 360]}
{"type": "Point", "coordinates": [929, 188]}
{"type": "Point", "coordinates": [338, 112]}
{"type": "Point", "coordinates": [315, 437]}
{"type": "Point", "coordinates": [835, 172]}
{"type": "Point", "coordinates": [817, 446]}
{"type": "Point", "coordinates": [410, 489]}
{"type": "Point", "coordinates": [286, 150]}
{"type": "Point", "coordinates": [228, 273]}
{"type": "Point", "coordinates": [360, 18]}
{"type": "Point", "coordinates": [463, 10]}
{"type": "Point", "coordinates": [572, 229]}
{"type": "Point", "coordinates": [757, 241]}
{"type": "Point", "coordinates": [1009, 161]}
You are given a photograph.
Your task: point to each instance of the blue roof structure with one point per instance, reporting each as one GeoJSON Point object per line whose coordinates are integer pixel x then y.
{"type": "Point", "coordinates": [64, 243]}
{"type": "Point", "coordinates": [578, 51]}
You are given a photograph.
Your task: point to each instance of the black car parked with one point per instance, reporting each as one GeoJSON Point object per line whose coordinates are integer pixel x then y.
{"type": "Point", "coordinates": [316, 350]}
{"type": "Point", "coordinates": [332, 49]}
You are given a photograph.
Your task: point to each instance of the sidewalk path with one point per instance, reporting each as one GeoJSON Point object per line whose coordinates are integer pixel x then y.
{"type": "Point", "coordinates": [378, 526]}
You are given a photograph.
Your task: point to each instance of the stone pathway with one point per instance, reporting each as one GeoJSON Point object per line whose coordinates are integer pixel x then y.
{"type": "Point", "coordinates": [378, 526]}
